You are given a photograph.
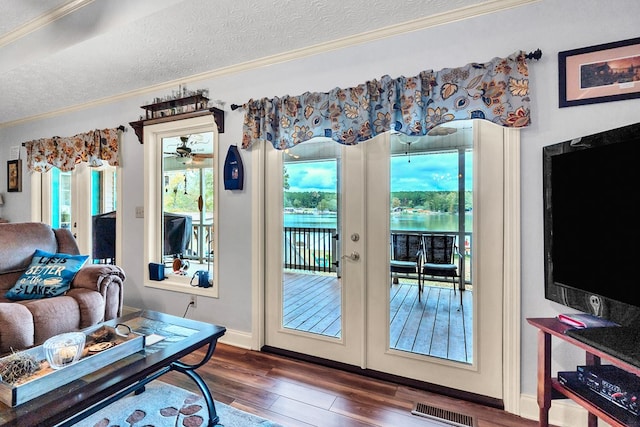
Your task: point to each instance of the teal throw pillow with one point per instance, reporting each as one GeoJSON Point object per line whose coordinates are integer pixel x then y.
{"type": "Point", "coordinates": [48, 275]}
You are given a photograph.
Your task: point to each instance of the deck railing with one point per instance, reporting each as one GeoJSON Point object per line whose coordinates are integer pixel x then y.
{"type": "Point", "coordinates": [200, 243]}
{"type": "Point", "coordinates": [316, 249]}
{"type": "Point", "coordinates": [310, 249]}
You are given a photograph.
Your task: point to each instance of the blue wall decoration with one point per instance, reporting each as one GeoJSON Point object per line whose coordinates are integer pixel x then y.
{"type": "Point", "coordinates": [233, 169]}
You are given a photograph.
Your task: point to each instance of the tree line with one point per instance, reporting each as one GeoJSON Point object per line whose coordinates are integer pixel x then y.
{"type": "Point", "coordinates": [435, 201]}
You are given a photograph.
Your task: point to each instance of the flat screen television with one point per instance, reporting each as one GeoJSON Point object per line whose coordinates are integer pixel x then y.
{"type": "Point", "coordinates": [591, 226]}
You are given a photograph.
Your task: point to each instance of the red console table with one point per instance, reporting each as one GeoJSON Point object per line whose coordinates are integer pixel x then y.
{"type": "Point", "coordinates": [549, 388]}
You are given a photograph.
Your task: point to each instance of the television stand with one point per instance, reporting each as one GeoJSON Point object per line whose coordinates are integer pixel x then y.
{"type": "Point", "coordinates": [549, 388]}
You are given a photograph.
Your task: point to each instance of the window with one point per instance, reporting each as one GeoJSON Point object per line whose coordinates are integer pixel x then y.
{"type": "Point", "coordinates": [72, 199]}
{"type": "Point", "coordinates": [61, 200]}
{"type": "Point", "coordinates": [181, 171]}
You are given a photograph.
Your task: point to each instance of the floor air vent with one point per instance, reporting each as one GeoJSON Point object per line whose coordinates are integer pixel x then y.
{"type": "Point", "coordinates": [442, 415]}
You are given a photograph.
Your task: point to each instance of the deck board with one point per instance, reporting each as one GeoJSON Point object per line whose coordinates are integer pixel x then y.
{"type": "Point", "coordinates": [436, 325]}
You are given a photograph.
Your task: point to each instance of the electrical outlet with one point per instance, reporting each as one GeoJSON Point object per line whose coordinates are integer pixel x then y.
{"type": "Point", "coordinates": [194, 301]}
{"type": "Point", "coordinates": [139, 211]}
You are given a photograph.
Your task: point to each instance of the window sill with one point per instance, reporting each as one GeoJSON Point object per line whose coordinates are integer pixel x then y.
{"type": "Point", "coordinates": [176, 286]}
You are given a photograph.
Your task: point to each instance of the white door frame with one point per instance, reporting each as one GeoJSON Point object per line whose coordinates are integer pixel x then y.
{"type": "Point", "coordinates": [511, 283]}
{"type": "Point", "coordinates": [511, 275]}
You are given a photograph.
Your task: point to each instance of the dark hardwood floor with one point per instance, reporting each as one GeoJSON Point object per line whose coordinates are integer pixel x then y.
{"type": "Point", "coordinates": [302, 394]}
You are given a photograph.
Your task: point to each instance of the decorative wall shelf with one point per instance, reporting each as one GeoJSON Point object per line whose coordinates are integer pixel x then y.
{"type": "Point", "coordinates": [177, 109]}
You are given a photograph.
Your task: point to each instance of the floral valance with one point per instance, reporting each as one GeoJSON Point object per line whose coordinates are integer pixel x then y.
{"type": "Point", "coordinates": [497, 91]}
{"type": "Point", "coordinates": [65, 153]}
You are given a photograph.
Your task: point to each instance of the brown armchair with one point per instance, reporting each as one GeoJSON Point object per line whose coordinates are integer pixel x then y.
{"type": "Point", "coordinates": [96, 292]}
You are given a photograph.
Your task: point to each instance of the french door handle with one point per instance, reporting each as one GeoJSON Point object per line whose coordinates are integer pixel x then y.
{"type": "Point", "coordinates": [353, 256]}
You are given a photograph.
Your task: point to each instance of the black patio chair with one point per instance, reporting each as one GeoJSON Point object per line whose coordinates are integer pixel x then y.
{"type": "Point", "coordinates": [438, 258]}
{"type": "Point", "coordinates": [406, 257]}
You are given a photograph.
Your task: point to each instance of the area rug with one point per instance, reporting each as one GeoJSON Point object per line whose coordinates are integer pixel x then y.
{"type": "Point", "coordinates": [163, 404]}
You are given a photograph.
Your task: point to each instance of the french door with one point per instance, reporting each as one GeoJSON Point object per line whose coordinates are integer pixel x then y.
{"type": "Point", "coordinates": [330, 169]}
{"type": "Point", "coordinates": [361, 183]}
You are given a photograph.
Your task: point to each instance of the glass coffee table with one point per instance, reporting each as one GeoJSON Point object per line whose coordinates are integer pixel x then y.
{"type": "Point", "coordinates": [168, 338]}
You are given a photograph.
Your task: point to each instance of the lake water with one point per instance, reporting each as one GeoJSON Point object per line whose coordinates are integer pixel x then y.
{"type": "Point", "coordinates": [403, 221]}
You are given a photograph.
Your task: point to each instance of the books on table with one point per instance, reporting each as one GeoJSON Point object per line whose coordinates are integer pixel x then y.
{"type": "Point", "coordinates": [584, 320]}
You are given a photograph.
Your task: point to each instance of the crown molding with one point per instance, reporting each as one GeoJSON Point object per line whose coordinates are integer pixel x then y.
{"type": "Point", "coordinates": [386, 32]}
{"type": "Point", "coordinates": [43, 21]}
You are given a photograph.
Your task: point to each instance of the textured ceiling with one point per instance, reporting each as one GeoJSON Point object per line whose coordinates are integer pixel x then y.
{"type": "Point", "coordinates": [50, 50]}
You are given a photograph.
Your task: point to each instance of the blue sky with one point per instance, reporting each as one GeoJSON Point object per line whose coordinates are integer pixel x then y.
{"type": "Point", "coordinates": [423, 173]}
{"type": "Point", "coordinates": [312, 176]}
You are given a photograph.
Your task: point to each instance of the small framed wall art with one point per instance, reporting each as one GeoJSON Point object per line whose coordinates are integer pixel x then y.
{"type": "Point", "coordinates": [14, 175]}
{"type": "Point", "coordinates": [601, 73]}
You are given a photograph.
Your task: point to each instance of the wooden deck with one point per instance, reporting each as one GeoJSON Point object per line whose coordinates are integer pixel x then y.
{"type": "Point", "coordinates": [437, 325]}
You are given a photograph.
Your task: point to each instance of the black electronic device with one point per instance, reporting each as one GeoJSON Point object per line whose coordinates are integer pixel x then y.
{"type": "Point", "coordinates": [569, 380]}
{"type": "Point", "coordinates": [590, 223]}
{"type": "Point", "coordinates": [614, 384]}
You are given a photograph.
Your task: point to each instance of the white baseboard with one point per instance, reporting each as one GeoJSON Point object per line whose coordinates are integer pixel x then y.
{"type": "Point", "coordinates": [231, 337]}
{"type": "Point", "coordinates": [128, 310]}
{"type": "Point", "coordinates": [238, 339]}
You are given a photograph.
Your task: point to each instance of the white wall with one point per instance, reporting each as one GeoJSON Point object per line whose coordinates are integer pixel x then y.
{"type": "Point", "coordinates": [551, 25]}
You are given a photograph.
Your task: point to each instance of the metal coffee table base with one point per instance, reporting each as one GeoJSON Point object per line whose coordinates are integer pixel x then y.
{"type": "Point", "coordinates": [137, 388]}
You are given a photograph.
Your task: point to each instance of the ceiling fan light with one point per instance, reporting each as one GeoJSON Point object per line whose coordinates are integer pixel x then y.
{"type": "Point", "coordinates": [441, 131]}
{"type": "Point", "coordinates": [183, 151]}
{"type": "Point", "coordinates": [295, 156]}
{"type": "Point", "coordinates": [407, 139]}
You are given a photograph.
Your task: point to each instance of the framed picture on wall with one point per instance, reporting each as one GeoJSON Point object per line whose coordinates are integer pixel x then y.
{"type": "Point", "coordinates": [14, 175]}
{"type": "Point", "coordinates": [601, 73]}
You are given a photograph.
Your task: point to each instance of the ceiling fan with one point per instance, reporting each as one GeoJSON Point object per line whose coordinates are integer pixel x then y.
{"type": "Point", "coordinates": [186, 154]}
